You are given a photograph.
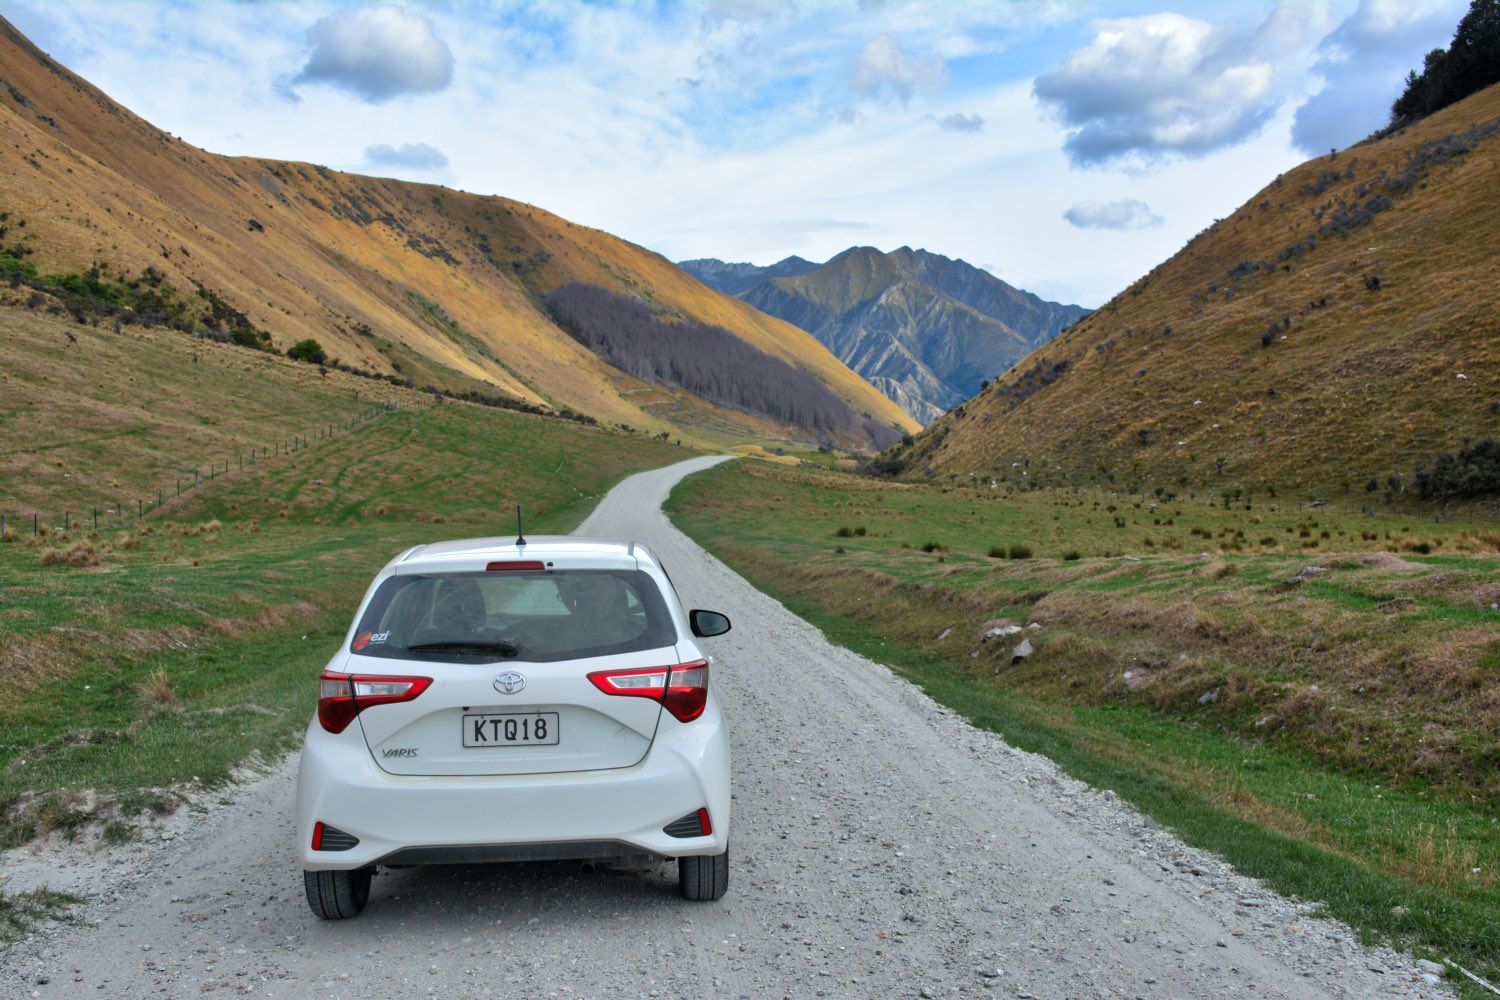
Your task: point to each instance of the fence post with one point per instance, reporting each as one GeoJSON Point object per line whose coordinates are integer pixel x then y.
{"type": "Point", "coordinates": [96, 523]}
{"type": "Point", "coordinates": [34, 528]}
{"type": "Point", "coordinates": [140, 508]}
{"type": "Point", "coordinates": [67, 521]}
{"type": "Point", "coordinates": [195, 476]}
{"type": "Point", "coordinates": [158, 497]}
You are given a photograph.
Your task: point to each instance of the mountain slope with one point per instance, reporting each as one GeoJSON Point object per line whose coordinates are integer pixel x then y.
{"type": "Point", "coordinates": [1338, 330]}
{"type": "Point", "coordinates": [435, 285]}
{"type": "Point", "coordinates": [923, 328]}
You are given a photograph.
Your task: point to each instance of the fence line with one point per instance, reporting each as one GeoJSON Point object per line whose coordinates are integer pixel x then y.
{"type": "Point", "coordinates": [31, 522]}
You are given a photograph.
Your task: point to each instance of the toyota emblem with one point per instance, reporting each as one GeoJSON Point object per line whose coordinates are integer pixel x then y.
{"type": "Point", "coordinates": [509, 682]}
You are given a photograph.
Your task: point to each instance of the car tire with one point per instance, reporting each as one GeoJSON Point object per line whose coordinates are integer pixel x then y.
{"type": "Point", "coordinates": [337, 895]}
{"type": "Point", "coordinates": [703, 878]}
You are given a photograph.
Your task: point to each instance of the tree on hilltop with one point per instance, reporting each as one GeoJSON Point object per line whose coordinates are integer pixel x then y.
{"type": "Point", "coordinates": [1469, 64]}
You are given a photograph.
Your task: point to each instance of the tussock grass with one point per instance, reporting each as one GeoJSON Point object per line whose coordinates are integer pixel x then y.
{"type": "Point", "coordinates": [80, 554]}
{"type": "Point", "coordinates": [156, 690]}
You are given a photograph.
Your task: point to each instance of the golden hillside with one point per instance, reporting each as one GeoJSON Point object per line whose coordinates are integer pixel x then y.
{"type": "Point", "coordinates": [439, 286]}
{"type": "Point", "coordinates": [1343, 324]}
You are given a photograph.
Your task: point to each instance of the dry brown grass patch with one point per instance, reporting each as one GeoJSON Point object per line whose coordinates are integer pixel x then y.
{"type": "Point", "coordinates": [80, 554]}
{"type": "Point", "coordinates": [1217, 569]}
{"type": "Point", "coordinates": [156, 690]}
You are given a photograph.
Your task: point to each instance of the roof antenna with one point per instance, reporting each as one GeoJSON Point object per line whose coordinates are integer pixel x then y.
{"type": "Point", "coordinates": [520, 535]}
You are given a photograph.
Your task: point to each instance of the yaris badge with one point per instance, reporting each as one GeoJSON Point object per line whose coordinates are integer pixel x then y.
{"type": "Point", "coordinates": [509, 682]}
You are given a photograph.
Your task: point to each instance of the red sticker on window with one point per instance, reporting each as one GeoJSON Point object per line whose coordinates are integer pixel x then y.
{"type": "Point", "coordinates": [361, 641]}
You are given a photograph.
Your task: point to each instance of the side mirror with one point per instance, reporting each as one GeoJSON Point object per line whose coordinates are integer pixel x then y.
{"type": "Point", "coordinates": [707, 624]}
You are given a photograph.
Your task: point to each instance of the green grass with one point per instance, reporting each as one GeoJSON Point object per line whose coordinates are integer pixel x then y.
{"type": "Point", "coordinates": [1349, 754]}
{"type": "Point", "coordinates": [22, 911]}
{"type": "Point", "coordinates": [193, 647]}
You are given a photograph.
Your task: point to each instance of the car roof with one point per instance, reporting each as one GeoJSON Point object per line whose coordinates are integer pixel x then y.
{"type": "Point", "coordinates": [558, 551]}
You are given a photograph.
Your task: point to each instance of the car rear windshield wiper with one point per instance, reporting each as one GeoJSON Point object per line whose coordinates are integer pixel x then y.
{"type": "Point", "coordinates": [457, 646]}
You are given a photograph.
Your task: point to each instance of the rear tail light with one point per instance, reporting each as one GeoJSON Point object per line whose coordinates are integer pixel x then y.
{"type": "Point", "coordinates": [343, 696]}
{"type": "Point", "coordinates": [682, 690]}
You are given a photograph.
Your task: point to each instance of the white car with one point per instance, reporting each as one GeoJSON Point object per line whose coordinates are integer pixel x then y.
{"type": "Point", "coordinates": [516, 701]}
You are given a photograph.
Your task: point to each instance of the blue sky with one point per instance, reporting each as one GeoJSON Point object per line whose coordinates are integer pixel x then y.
{"type": "Point", "coordinates": [1066, 145]}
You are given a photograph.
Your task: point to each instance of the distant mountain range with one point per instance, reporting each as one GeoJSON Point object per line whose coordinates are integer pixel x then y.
{"type": "Point", "coordinates": [925, 329]}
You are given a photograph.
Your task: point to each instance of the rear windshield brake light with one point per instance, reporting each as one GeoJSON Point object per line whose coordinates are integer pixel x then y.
{"type": "Point", "coordinates": [521, 565]}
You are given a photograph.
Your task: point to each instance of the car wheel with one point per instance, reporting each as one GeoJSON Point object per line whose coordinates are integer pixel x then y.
{"type": "Point", "coordinates": [337, 895]}
{"type": "Point", "coordinates": [703, 878]}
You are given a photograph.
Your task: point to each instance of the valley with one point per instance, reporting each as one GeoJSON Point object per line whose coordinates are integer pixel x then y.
{"type": "Point", "coordinates": [1153, 649]}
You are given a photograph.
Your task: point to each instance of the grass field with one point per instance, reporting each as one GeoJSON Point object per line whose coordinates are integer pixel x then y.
{"type": "Point", "coordinates": [1313, 695]}
{"type": "Point", "coordinates": [154, 656]}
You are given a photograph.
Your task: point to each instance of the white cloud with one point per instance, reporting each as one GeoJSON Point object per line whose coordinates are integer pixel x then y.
{"type": "Point", "coordinates": [411, 155]}
{"type": "Point", "coordinates": [884, 71]}
{"type": "Point", "coordinates": [580, 108]}
{"type": "Point", "coordinates": [1127, 213]}
{"type": "Point", "coordinates": [960, 122]}
{"type": "Point", "coordinates": [1363, 63]}
{"type": "Point", "coordinates": [1162, 84]}
{"type": "Point", "coordinates": [377, 53]}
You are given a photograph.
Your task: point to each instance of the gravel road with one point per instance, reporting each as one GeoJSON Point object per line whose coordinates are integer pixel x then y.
{"type": "Point", "coordinates": [882, 847]}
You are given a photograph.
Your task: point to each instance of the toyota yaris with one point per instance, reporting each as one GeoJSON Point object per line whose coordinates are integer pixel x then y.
{"type": "Point", "coordinates": [496, 701]}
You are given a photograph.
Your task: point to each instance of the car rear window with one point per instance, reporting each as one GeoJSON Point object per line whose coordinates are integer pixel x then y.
{"type": "Point", "coordinates": [533, 616]}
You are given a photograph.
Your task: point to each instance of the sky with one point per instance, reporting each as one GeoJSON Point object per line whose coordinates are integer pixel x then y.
{"type": "Point", "coordinates": [1068, 146]}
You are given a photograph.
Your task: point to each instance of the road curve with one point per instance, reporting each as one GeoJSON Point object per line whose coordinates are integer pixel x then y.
{"type": "Point", "coordinates": [881, 847]}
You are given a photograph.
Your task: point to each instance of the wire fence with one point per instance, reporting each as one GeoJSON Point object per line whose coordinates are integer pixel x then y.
{"type": "Point", "coordinates": [140, 506]}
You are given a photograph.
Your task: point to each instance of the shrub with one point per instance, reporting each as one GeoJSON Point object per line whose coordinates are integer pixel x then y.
{"type": "Point", "coordinates": [996, 552]}
{"type": "Point", "coordinates": [308, 350]}
{"type": "Point", "coordinates": [1018, 551]}
{"type": "Point", "coordinates": [843, 532]}
{"type": "Point", "coordinates": [1471, 473]}
{"type": "Point", "coordinates": [930, 546]}
{"type": "Point", "coordinates": [1072, 555]}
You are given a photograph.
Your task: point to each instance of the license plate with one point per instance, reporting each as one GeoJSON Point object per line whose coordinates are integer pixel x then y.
{"type": "Point", "coordinates": [533, 729]}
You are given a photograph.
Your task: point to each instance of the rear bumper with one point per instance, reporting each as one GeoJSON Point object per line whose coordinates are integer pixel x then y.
{"type": "Point", "coordinates": [403, 819]}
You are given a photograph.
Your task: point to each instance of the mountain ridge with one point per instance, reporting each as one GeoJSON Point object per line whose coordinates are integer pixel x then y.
{"type": "Point", "coordinates": [925, 329]}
